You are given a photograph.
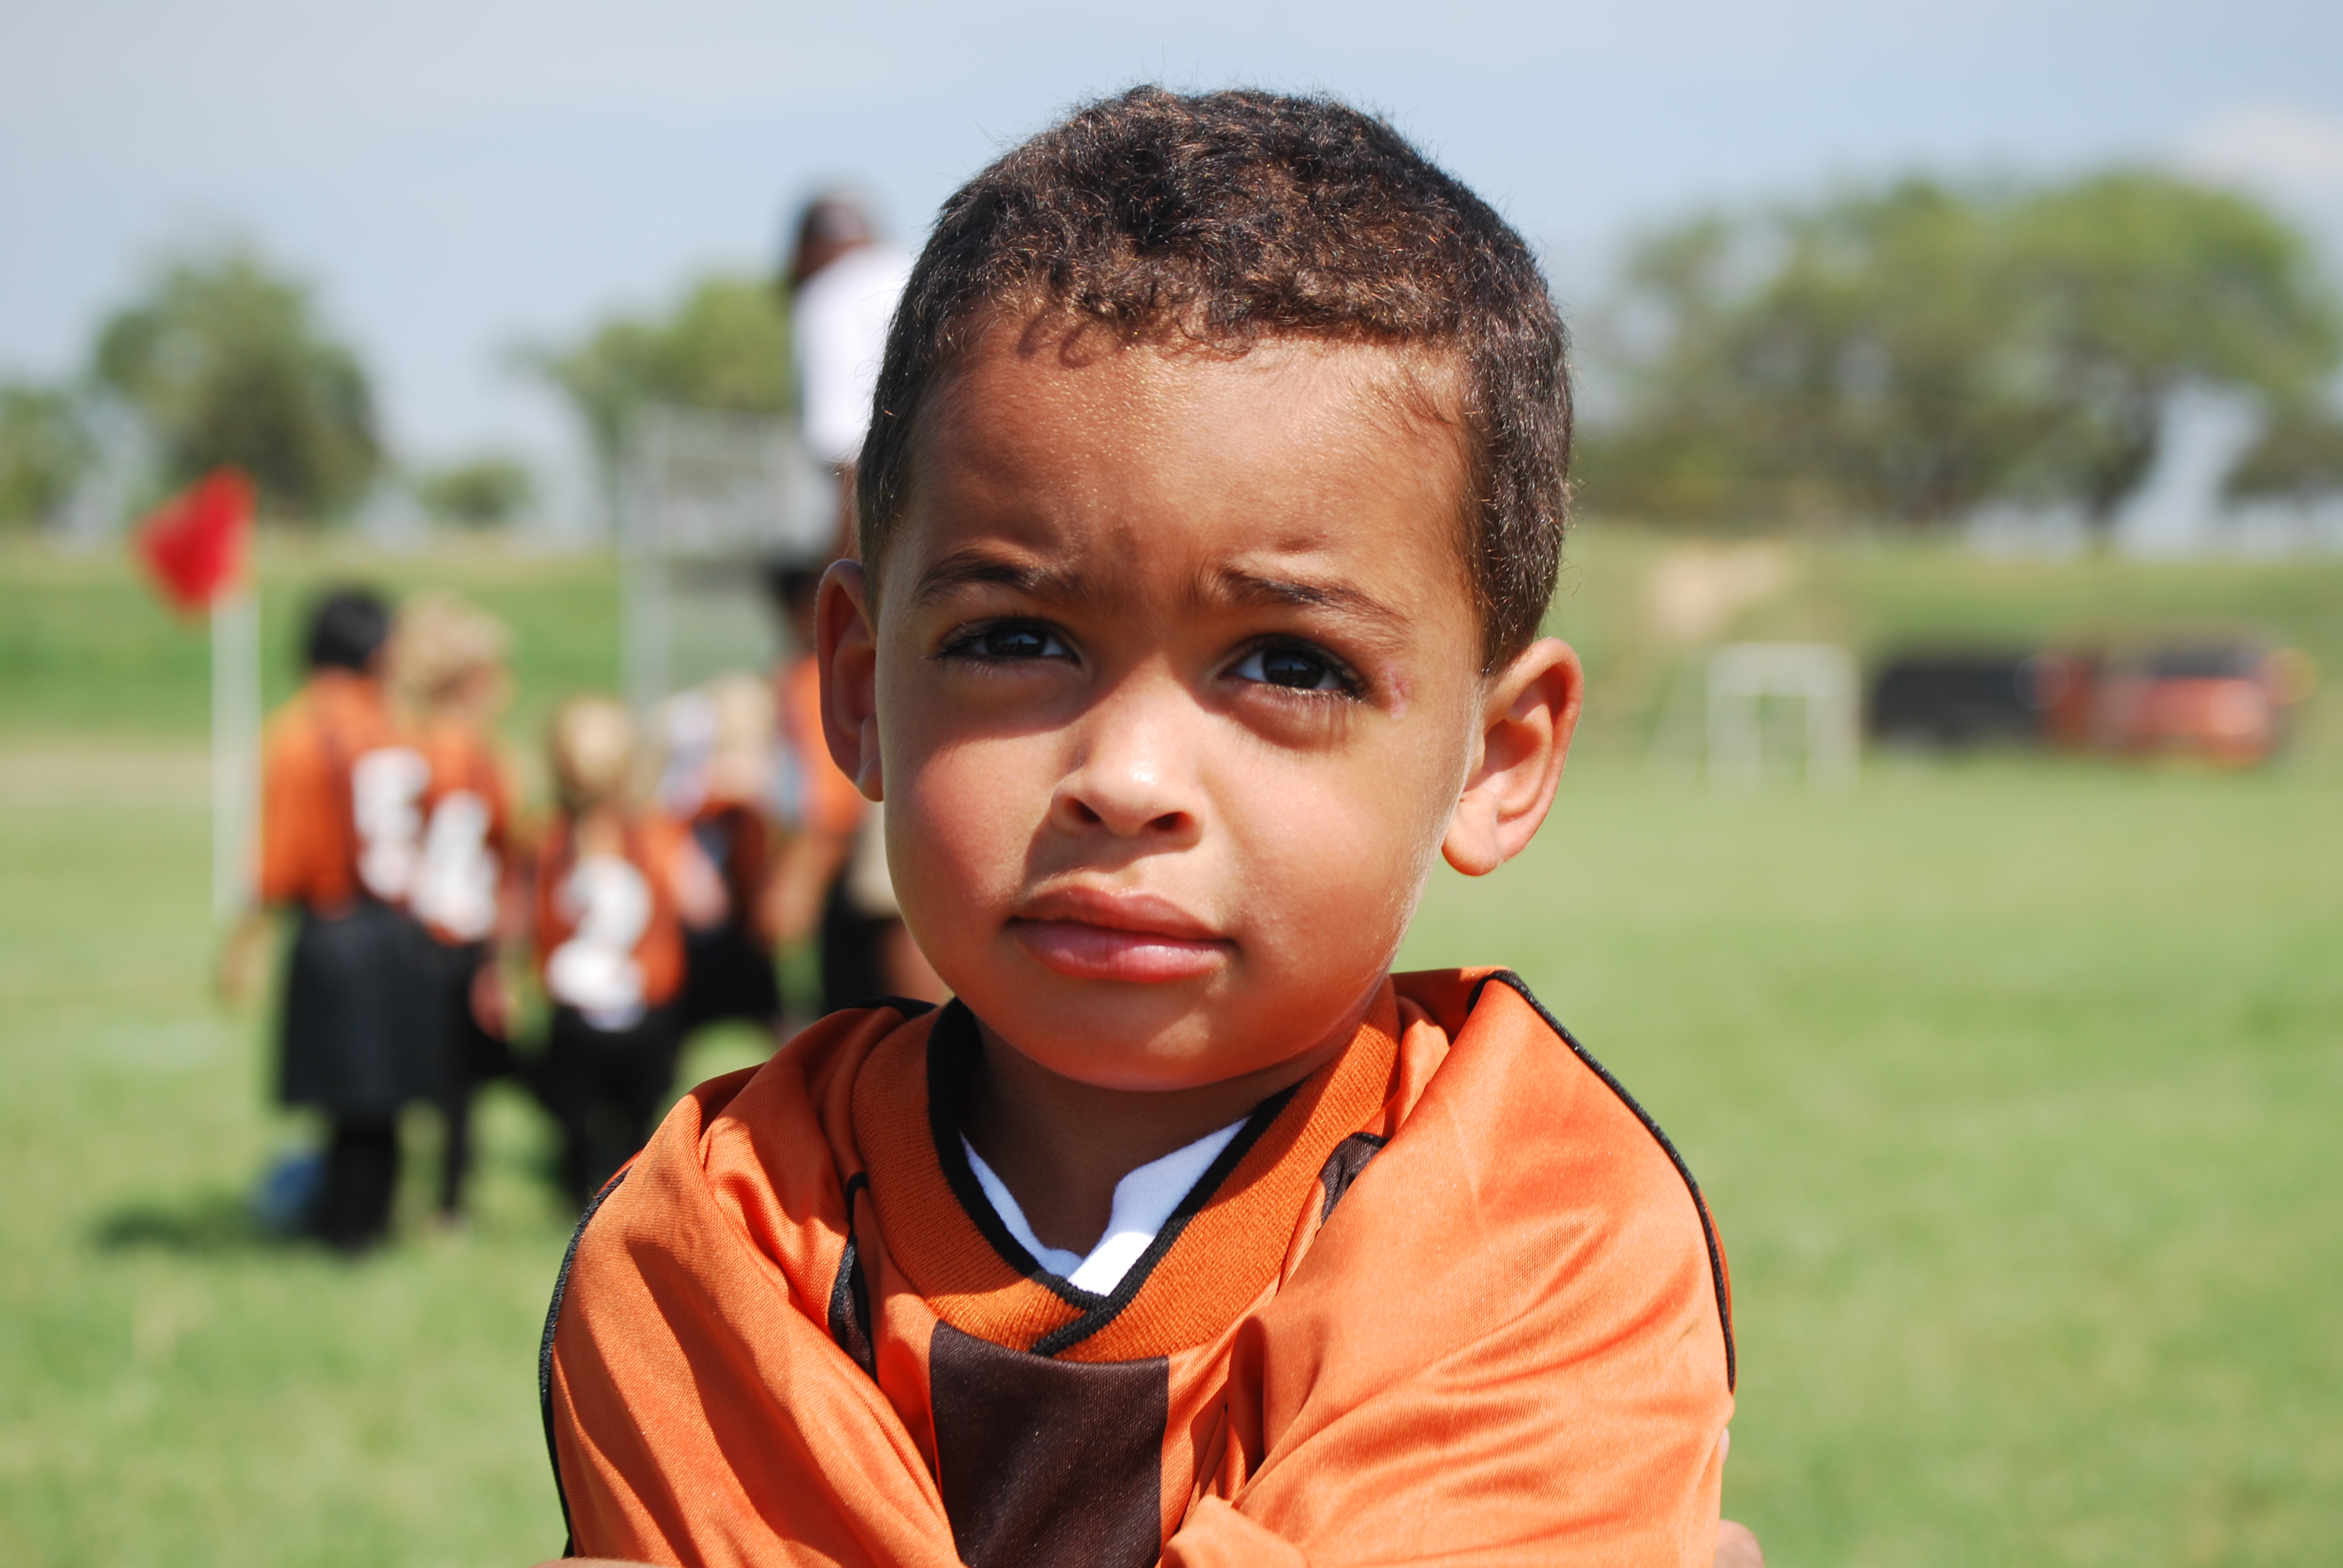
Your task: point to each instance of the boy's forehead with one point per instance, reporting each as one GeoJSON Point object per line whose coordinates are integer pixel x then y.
{"type": "Point", "coordinates": [1088, 371]}
{"type": "Point", "coordinates": [1143, 455]}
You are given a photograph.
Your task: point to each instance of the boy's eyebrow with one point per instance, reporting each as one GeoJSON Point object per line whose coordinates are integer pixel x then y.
{"type": "Point", "coordinates": [1246, 587]}
{"type": "Point", "coordinates": [1229, 585]}
{"type": "Point", "coordinates": [970, 568]}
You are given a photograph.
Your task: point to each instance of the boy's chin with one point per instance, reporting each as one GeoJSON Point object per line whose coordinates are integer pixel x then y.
{"type": "Point", "coordinates": [1138, 1038]}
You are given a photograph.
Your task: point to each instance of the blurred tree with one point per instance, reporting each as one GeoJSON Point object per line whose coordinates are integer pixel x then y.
{"type": "Point", "coordinates": [1916, 352]}
{"type": "Point", "coordinates": [46, 449]}
{"type": "Point", "coordinates": [226, 362]}
{"type": "Point", "coordinates": [2140, 283]}
{"type": "Point", "coordinates": [486, 492]}
{"type": "Point", "coordinates": [2298, 457]}
{"type": "Point", "coordinates": [1854, 358]}
{"type": "Point", "coordinates": [725, 346]}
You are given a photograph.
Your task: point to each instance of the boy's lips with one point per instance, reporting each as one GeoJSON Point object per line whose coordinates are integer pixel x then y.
{"type": "Point", "coordinates": [1097, 933]}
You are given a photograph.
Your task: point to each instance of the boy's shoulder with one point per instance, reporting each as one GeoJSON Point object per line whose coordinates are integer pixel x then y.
{"type": "Point", "coordinates": [1528, 1084]}
{"type": "Point", "coordinates": [1570, 1166]}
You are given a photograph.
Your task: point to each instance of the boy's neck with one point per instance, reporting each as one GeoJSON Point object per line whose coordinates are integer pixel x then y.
{"type": "Point", "coordinates": [1060, 1145]}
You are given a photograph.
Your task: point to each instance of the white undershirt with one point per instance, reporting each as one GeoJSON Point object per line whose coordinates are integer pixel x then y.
{"type": "Point", "coordinates": [1143, 1201]}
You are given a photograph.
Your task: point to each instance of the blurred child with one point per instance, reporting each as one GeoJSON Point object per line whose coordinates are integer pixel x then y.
{"type": "Point", "coordinates": [615, 886]}
{"type": "Point", "coordinates": [343, 787]}
{"type": "Point", "coordinates": [448, 666]}
{"type": "Point", "coordinates": [716, 780]}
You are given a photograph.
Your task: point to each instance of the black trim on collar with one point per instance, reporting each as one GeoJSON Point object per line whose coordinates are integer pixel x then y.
{"type": "Point", "coordinates": [1514, 983]}
{"type": "Point", "coordinates": [545, 1354]}
{"type": "Point", "coordinates": [909, 1006]}
{"type": "Point", "coordinates": [1135, 1278]}
{"type": "Point", "coordinates": [850, 1293]}
{"type": "Point", "coordinates": [952, 1047]}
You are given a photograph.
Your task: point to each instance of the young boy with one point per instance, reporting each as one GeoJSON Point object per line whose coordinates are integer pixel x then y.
{"type": "Point", "coordinates": [1211, 507]}
{"type": "Point", "coordinates": [449, 668]}
{"type": "Point", "coordinates": [615, 886]}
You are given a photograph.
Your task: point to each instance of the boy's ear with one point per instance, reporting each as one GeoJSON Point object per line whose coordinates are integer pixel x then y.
{"type": "Point", "coordinates": [848, 647]}
{"type": "Point", "coordinates": [1526, 722]}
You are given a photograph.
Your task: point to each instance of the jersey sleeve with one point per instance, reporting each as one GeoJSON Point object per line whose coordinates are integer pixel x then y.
{"type": "Point", "coordinates": [1526, 1367]}
{"type": "Point", "coordinates": [698, 1410]}
{"type": "Point", "coordinates": [1554, 1439]}
{"type": "Point", "coordinates": [297, 803]}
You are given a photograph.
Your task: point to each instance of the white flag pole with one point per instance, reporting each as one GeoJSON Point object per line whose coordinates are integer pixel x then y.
{"type": "Point", "coordinates": [236, 746]}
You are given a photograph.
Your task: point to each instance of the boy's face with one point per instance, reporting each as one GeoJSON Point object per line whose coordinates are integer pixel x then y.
{"type": "Point", "coordinates": [1173, 691]}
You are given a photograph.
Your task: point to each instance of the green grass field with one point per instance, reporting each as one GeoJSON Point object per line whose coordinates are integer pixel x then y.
{"type": "Point", "coordinates": [2014, 1083]}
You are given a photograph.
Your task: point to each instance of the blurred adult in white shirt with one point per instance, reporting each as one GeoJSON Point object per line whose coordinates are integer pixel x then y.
{"type": "Point", "coordinates": [843, 283]}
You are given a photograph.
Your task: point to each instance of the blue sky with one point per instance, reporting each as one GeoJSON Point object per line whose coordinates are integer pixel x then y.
{"type": "Point", "coordinates": [459, 177]}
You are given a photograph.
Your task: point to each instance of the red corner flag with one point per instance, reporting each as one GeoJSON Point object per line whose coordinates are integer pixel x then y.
{"type": "Point", "coordinates": [194, 543]}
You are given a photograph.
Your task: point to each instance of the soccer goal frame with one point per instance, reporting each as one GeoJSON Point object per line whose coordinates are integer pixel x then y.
{"type": "Point", "coordinates": [1743, 676]}
{"type": "Point", "coordinates": [706, 501]}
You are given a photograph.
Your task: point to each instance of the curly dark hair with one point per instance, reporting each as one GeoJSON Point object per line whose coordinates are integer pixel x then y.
{"type": "Point", "coordinates": [1230, 218]}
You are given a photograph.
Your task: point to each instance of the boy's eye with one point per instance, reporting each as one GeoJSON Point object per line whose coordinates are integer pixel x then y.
{"type": "Point", "coordinates": [1008, 640]}
{"type": "Point", "coordinates": [1294, 668]}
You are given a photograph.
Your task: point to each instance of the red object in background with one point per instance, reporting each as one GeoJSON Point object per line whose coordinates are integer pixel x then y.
{"type": "Point", "coordinates": [2223, 701]}
{"type": "Point", "coordinates": [195, 542]}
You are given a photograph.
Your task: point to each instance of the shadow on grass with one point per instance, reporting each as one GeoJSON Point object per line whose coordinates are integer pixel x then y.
{"type": "Point", "coordinates": [207, 1224]}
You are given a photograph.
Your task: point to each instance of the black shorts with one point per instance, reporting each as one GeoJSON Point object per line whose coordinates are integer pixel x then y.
{"type": "Point", "coordinates": [460, 1055]}
{"type": "Point", "coordinates": [727, 975]}
{"type": "Point", "coordinates": [356, 1033]}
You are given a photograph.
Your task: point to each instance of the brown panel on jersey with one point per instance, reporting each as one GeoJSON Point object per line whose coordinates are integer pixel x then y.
{"type": "Point", "coordinates": [1047, 1464]}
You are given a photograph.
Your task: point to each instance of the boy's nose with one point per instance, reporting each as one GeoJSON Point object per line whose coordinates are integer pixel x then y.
{"type": "Point", "coordinates": [1134, 771]}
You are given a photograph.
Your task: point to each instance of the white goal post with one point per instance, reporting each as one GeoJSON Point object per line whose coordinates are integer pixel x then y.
{"type": "Point", "coordinates": [1742, 678]}
{"type": "Point", "coordinates": [705, 501]}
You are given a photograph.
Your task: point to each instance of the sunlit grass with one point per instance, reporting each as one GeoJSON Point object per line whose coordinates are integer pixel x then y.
{"type": "Point", "coordinates": [2014, 1085]}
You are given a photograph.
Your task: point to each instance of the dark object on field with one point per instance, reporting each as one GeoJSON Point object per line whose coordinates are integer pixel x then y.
{"type": "Point", "coordinates": [2220, 698]}
{"type": "Point", "coordinates": [287, 1195]}
{"type": "Point", "coordinates": [1959, 699]}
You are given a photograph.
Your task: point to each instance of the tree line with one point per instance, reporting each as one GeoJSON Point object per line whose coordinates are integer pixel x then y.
{"type": "Point", "coordinates": [223, 357]}
{"type": "Point", "coordinates": [1912, 352]}
{"type": "Point", "coordinates": [1903, 353]}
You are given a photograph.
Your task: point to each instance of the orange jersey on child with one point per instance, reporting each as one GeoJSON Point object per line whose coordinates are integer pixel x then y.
{"type": "Point", "coordinates": [1452, 1298]}
{"type": "Point", "coordinates": [608, 939]}
{"type": "Point", "coordinates": [342, 792]}
{"type": "Point", "coordinates": [467, 834]}
{"type": "Point", "coordinates": [740, 846]}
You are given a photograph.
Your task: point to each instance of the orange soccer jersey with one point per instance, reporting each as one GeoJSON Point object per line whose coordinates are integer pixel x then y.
{"type": "Point", "coordinates": [613, 927]}
{"type": "Point", "coordinates": [1452, 1298]}
{"type": "Point", "coordinates": [342, 789]}
{"type": "Point", "coordinates": [740, 846]}
{"type": "Point", "coordinates": [466, 836]}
